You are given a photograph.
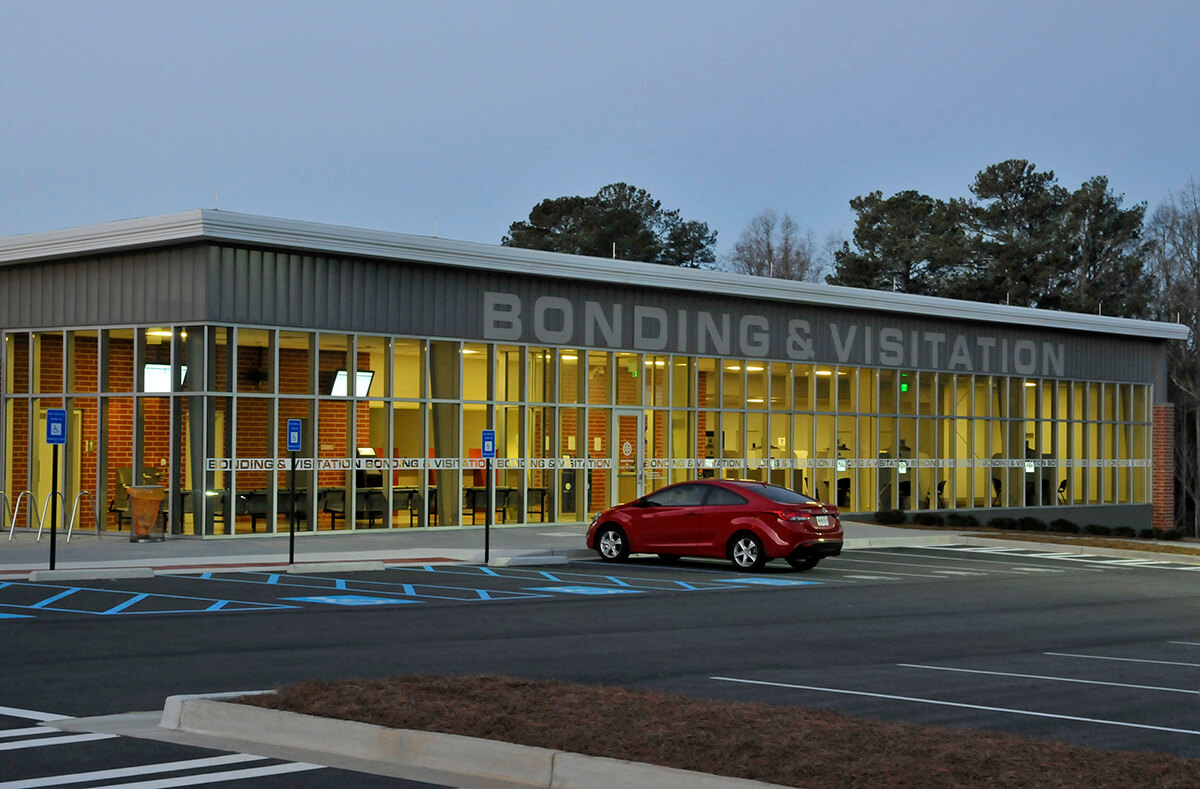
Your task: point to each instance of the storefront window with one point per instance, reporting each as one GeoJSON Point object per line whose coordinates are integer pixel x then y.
{"type": "Point", "coordinates": [628, 376]}
{"type": "Point", "coordinates": [409, 368]}
{"type": "Point", "coordinates": [256, 361]}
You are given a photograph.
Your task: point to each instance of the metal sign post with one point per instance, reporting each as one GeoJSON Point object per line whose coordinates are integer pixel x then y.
{"type": "Point", "coordinates": [488, 445]}
{"type": "Point", "coordinates": [56, 436]}
{"type": "Point", "coordinates": [293, 445]}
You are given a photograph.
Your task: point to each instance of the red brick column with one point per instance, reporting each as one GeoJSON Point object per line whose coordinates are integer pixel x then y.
{"type": "Point", "coordinates": [1162, 469]}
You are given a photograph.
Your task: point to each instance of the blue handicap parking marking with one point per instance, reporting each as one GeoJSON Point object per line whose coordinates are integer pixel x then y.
{"type": "Point", "coordinates": [115, 602]}
{"type": "Point", "coordinates": [769, 582]}
{"type": "Point", "coordinates": [350, 599]}
{"type": "Point", "coordinates": [587, 590]}
{"type": "Point", "coordinates": [15, 616]}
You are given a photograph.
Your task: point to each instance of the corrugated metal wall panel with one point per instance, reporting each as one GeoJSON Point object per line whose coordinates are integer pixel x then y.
{"type": "Point", "coordinates": [225, 284]}
{"type": "Point", "coordinates": [137, 287]}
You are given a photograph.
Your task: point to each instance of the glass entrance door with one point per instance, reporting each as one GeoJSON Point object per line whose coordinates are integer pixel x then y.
{"type": "Point", "coordinates": [629, 444]}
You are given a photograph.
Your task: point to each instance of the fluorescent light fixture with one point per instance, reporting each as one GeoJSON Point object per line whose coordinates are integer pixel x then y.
{"type": "Point", "coordinates": [1031, 383]}
{"type": "Point", "coordinates": [734, 368]}
{"type": "Point", "coordinates": [362, 383]}
{"type": "Point", "coordinates": [755, 369]}
{"type": "Point", "coordinates": [754, 400]}
{"type": "Point", "coordinates": [824, 372]}
{"type": "Point", "coordinates": [157, 377]}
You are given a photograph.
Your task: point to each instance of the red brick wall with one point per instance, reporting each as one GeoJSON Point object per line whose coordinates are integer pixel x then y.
{"type": "Point", "coordinates": [1162, 496]}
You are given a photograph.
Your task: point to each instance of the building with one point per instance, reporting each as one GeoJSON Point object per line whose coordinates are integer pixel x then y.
{"type": "Point", "coordinates": [182, 345]}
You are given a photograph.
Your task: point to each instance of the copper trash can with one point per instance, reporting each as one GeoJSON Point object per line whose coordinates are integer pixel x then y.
{"type": "Point", "coordinates": [145, 523]}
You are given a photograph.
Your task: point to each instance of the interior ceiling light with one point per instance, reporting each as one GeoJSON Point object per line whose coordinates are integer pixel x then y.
{"type": "Point", "coordinates": [1031, 383]}
{"type": "Point", "coordinates": [733, 368]}
{"type": "Point", "coordinates": [754, 369]}
{"type": "Point", "coordinates": [754, 400]}
{"type": "Point", "coordinates": [824, 372]}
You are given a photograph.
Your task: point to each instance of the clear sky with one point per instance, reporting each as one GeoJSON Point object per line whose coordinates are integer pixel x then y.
{"type": "Point", "coordinates": [454, 118]}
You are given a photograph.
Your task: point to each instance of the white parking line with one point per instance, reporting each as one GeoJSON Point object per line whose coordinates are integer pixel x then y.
{"type": "Point", "coordinates": [991, 564]}
{"type": "Point", "coordinates": [844, 560]}
{"type": "Point", "coordinates": [1032, 713]}
{"type": "Point", "coordinates": [8, 734]}
{"type": "Point", "coordinates": [42, 742]}
{"type": "Point", "coordinates": [212, 778]}
{"type": "Point", "coordinates": [1185, 643]}
{"type": "Point", "coordinates": [1122, 659]}
{"type": "Point", "coordinates": [1051, 679]}
{"type": "Point", "coordinates": [33, 715]}
{"type": "Point", "coordinates": [126, 772]}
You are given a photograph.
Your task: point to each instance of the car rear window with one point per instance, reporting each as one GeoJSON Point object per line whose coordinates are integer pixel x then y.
{"type": "Point", "coordinates": [721, 497]}
{"type": "Point", "coordinates": [783, 495]}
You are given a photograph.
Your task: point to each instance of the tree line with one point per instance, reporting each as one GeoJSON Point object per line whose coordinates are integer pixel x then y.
{"type": "Point", "coordinates": [1018, 237]}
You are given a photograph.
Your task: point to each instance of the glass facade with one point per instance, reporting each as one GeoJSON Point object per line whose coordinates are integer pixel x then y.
{"type": "Point", "coordinates": [391, 430]}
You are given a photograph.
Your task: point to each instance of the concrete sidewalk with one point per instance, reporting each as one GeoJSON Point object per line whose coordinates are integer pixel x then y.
{"type": "Point", "coordinates": [111, 554]}
{"type": "Point", "coordinates": [24, 553]}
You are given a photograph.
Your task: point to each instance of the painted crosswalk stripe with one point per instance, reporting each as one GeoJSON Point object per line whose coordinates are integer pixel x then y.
{"type": "Point", "coordinates": [42, 742]}
{"type": "Point", "coordinates": [129, 772]}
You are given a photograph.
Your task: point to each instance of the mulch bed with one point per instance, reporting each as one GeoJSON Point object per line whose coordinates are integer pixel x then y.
{"type": "Point", "coordinates": [793, 746]}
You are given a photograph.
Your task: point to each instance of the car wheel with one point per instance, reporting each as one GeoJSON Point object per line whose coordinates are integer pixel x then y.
{"type": "Point", "coordinates": [803, 563]}
{"type": "Point", "coordinates": [746, 552]}
{"type": "Point", "coordinates": [668, 557]}
{"type": "Point", "coordinates": [612, 545]}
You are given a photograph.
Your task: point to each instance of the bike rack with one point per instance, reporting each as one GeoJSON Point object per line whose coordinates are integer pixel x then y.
{"type": "Point", "coordinates": [7, 507]}
{"type": "Point", "coordinates": [75, 513]}
{"type": "Point", "coordinates": [17, 510]}
{"type": "Point", "coordinates": [46, 509]}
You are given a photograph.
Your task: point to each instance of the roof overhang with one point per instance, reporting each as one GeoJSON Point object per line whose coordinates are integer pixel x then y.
{"type": "Point", "coordinates": [223, 226]}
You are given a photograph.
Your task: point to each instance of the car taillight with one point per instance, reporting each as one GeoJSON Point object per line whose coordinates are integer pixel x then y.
{"type": "Point", "coordinates": [789, 516]}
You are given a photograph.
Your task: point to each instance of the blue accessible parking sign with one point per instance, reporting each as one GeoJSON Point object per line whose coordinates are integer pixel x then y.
{"type": "Point", "coordinates": [293, 435]}
{"type": "Point", "coordinates": [56, 426]}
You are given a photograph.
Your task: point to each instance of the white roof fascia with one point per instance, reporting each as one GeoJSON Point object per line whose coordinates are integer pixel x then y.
{"type": "Point", "coordinates": [200, 225]}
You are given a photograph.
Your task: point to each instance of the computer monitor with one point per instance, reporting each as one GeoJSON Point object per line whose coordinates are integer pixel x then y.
{"type": "Point", "coordinates": [368, 478]}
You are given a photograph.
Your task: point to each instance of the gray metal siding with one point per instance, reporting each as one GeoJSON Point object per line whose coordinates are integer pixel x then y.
{"type": "Point", "coordinates": [228, 284]}
{"type": "Point", "coordinates": [163, 286]}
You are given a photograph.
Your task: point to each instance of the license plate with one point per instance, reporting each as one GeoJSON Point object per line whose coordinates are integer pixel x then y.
{"type": "Point", "coordinates": [823, 520]}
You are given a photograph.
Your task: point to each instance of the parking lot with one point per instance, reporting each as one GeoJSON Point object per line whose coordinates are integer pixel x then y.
{"type": "Point", "coordinates": [1087, 649]}
{"type": "Point", "coordinates": [250, 591]}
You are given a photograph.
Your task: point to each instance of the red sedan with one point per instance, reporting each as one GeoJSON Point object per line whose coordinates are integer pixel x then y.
{"type": "Point", "coordinates": [744, 521]}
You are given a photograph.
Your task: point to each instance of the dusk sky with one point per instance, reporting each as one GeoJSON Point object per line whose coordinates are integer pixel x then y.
{"type": "Point", "coordinates": [455, 118]}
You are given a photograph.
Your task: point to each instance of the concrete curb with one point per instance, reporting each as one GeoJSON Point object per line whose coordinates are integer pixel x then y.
{"type": "Point", "coordinates": [91, 573]}
{"type": "Point", "coordinates": [335, 567]}
{"type": "Point", "coordinates": [479, 762]}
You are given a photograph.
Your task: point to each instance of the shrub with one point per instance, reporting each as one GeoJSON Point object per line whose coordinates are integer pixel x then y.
{"type": "Point", "coordinates": [960, 521]}
{"type": "Point", "coordinates": [890, 516]}
{"type": "Point", "coordinates": [1032, 524]}
{"type": "Point", "coordinates": [1002, 523]}
{"type": "Point", "coordinates": [928, 519]}
{"type": "Point", "coordinates": [1148, 534]}
{"type": "Point", "coordinates": [1097, 529]}
{"type": "Point", "coordinates": [1123, 531]}
{"type": "Point", "coordinates": [1064, 525]}
{"type": "Point", "coordinates": [1170, 534]}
